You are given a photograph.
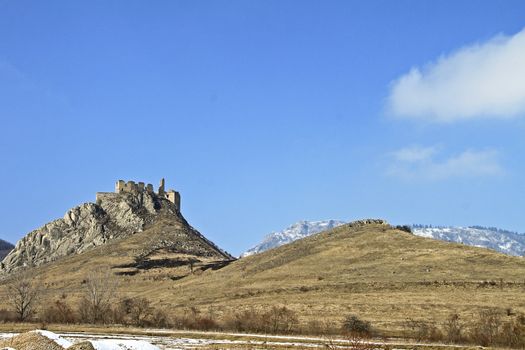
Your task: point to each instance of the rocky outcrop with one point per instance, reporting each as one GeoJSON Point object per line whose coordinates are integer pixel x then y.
{"type": "Point", "coordinates": [5, 248]}
{"type": "Point", "coordinates": [115, 215]}
{"type": "Point", "coordinates": [364, 222]}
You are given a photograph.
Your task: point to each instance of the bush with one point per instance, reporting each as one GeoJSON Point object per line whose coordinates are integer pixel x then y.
{"type": "Point", "coordinates": [7, 316]}
{"type": "Point", "coordinates": [486, 328]}
{"type": "Point", "coordinates": [353, 325]}
{"type": "Point", "coordinates": [58, 312]}
{"type": "Point", "coordinates": [453, 329]}
{"type": "Point", "coordinates": [274, 320]}
{"type": "Point", "coordinates": [513, 334]}
{"type": "Point", "coordinates": [160, 319]}
{"type": "Point", "coordinates": [280, 320]}
{"type": "Point", "coordinates": [136, 311]}
{"type": "Point", "coordinates": [245, 321]}
{"type": "Point", "coordinates": [422, 330]}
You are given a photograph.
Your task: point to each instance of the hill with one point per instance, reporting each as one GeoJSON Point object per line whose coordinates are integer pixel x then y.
{"type": "Point", "coordinates": [131, 209]}
{"type": "Point", "coordinates": [503, 241]}
{"type": "Point", "coordinates": [367, 268]}
{"type": "Point", "coordinates": [292, 233]}
{"type": "Point", "coordinates": [5, 248]}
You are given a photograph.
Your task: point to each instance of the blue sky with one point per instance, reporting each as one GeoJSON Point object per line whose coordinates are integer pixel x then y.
{"type": "Point", "coordinates": [263, 113]}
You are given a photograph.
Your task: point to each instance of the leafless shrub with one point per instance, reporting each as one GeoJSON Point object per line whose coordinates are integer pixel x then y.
{"type": "Point", "coordinates": [513, 334]}
{"type": "Point", "coordinates": [193, 319]}
{"type": "Point", "coordinates": [354, 326]}
{"type": "Point", "coordinates": [317, 327]}
{"type": "Point", "coordinates": [245, 320]}
{"type": "Point", "coordinates": [422, 330]}
{"type": "Point", "coordinates": [453, 329]}
{"type": "Point", "coordinates": [99, 292]}
{"type": "Point", "coordinates": [58, 312]}
{"type": "Point", "coordinates": [274, 320]}
{"type": "Point", "coordinates": [360, 342]}
{"type": "Point", "coordinates": [485, 330]}
{"type": "Point", "coordinates": [280, 320]}
{"type": "Point", "coordinates": [7, 315]}
{"type": "Point", "coordinates": [140, 311]}
{"type": "Point", "coordinates": [160, 319]}
{"type": "Point", "coordinates": [22, 294]}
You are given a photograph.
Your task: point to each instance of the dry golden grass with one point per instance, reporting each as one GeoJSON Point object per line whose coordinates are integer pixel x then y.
{"type": "Point", "coordinates": [378, 273]}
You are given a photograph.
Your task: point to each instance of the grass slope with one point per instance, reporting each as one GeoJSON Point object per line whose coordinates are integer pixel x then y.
{"type": "Point", "coordinates": [379, 273]}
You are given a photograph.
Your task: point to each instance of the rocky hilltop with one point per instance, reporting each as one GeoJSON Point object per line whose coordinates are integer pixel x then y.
{"type": "Point", "coordinates": [132, 208]}
{"type": "Point", "coordinates": [5, 248]}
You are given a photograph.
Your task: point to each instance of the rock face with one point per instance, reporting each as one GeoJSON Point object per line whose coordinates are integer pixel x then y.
{"type": "Point", "coordinates": [5, 248]}
{"type": "Point", "coordinates": [115, 215]}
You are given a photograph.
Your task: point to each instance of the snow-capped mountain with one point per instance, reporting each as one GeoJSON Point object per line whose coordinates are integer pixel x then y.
{"type": "Point", "coordinates": [297, 231]}
{"type": "Point", "coordinates": [506, 242]}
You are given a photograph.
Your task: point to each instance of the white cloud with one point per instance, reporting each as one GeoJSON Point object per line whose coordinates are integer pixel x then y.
{"type": "Point", "coordinates": [422, 163]}
{"type": "Point", "coordinates": [414, 153]}
{"type": "Point", "coordinates": [483, 80]}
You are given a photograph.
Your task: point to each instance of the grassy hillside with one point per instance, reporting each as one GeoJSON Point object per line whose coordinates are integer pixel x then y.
{"type": "Point", "coordinates": [381, 274]}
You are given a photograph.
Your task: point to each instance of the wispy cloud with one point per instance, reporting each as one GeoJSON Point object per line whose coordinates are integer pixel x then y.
{"type": "Point", "coordinates": [423, 163]}
{"type": "Point", "coordinates": [484, 80]}
{"type": "Point", "coordinates": [414, 154]}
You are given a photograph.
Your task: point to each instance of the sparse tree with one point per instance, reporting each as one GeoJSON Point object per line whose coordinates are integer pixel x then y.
{"type": "Point", "coordinates": [281, 319]}
{"type": "Point", "coordinates": [140, 311]}
{"type": "Point", "coordinates": [99, 292]}
{"type": "Point", "coordinates": [22, 294]}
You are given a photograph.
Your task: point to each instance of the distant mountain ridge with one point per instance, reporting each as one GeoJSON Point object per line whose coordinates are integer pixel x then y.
{"type": "Point", "coordinates": [507, 242]}
{"type": "Point", "coordinates": [5, 248]}
{"type": "Point", "coordinates": [294, 232]}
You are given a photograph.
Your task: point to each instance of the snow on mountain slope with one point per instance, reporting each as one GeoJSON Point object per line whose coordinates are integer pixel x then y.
{"type": "Point", "coordinates": [297, 231]}
{"type": "Point", "coordinates": [506, 242]}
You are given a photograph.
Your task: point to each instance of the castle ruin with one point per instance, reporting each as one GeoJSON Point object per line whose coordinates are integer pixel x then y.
{"type": "Point", "coordinates": [122, 186]}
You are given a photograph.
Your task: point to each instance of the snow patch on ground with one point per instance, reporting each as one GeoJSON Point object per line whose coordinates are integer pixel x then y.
{"type": "Point", "coordinates": [119, 344]}
{"type": "Point", "coordinates": [54, 337]}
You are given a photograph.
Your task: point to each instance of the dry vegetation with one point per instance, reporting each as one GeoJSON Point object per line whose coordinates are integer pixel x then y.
{"type": "Point", "coordinates": [403, 285]}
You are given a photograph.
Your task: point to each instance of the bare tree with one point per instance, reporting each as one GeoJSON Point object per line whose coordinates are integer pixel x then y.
{"type": "Point", "coordinates": [22, 294]}
{"type": "Point", "coordinates": [99, 293]}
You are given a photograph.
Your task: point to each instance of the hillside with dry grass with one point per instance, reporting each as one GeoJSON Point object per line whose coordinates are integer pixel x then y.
{"type": "Point", "coordinates": [384, 275]}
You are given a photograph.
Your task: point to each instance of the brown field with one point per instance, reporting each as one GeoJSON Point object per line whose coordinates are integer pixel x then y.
{"type": "Point", "coordinates": [382, 275]}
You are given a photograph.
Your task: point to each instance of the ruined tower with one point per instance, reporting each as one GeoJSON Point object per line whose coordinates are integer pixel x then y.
{"type": "Point", "coordinates": [162, 192]}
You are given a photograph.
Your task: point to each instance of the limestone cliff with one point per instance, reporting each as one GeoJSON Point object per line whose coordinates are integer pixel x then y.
{"type": "Point", "coordinates": [115, 215]}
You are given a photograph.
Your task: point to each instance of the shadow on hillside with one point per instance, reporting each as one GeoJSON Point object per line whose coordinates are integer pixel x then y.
{"type": "Point", "coordinates": [193, 265]}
